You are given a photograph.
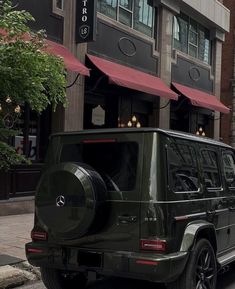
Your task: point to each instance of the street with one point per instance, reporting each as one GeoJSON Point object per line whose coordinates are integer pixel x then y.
{"type": "Point", "coordinates": [225, 281]}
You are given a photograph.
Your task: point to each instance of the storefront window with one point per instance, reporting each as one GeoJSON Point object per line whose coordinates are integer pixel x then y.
{"type": "Point", "coordinates": [192, 38]}
{"type": "Point", "coordinates": [34, 131]}
{"type": "Point", "coordinates": [135, 14]}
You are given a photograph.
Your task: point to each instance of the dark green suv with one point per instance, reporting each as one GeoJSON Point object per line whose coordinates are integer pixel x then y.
{"type": "Point", "coordinates": [146, 204]}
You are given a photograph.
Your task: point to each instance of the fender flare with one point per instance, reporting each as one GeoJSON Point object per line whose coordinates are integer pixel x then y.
{"type": "Point", "coordinates": [193, 230]}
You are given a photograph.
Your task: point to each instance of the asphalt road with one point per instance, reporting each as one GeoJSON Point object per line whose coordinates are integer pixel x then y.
{"type": "Point", "coordinates": [225, 281]}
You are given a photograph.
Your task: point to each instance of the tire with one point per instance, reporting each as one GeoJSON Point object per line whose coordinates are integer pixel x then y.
{"type": "Point", "coordinates": [201, 269]}
{"type": "Point", "coordinates": [57, 279]}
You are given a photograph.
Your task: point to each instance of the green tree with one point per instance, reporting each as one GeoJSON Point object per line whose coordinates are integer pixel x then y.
{"type": "Point", "coordinates": [28, 75]}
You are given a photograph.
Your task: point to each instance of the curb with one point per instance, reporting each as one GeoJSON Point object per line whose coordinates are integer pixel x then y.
{"type": "Point", "coordinates": [19, 274]}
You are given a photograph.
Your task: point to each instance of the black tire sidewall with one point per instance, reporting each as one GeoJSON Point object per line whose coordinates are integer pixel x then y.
{"type": "Point", "coordinates": [188, 282]}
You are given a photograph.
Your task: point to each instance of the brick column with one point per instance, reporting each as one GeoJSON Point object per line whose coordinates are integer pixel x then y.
{"type": "Point", "coordinates": [217, 85]}
{"type": "Point", "coordinates": [165, 47]}
{"type": "Point", "coordinates": [73, 115]}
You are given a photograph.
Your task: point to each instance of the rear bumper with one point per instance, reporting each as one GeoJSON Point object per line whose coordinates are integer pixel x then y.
{"type": "Point", "coordinates": [145, 266]}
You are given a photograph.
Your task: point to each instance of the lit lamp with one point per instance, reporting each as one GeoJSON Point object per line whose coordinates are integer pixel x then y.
{"type": "Point", "coordinates": [133, 119]}
{"type": "Point", "coordinates": [129, 124]}
{"type": "Point", "coordinates": [17, 109]}
{"type": "Point", "coordinates": [8, 99]}
{"type": "Point", "coordinates": [200, 132]}
{"type": "Point", "coordinates": [134, 122]}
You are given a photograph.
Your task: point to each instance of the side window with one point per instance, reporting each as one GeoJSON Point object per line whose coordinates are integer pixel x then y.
{"type": "Point", "coordinates": [182, 168]}
{"type": "Point", "coordinates": [229, 168]}
{"type": "Point", "coordinates": [210, 169]}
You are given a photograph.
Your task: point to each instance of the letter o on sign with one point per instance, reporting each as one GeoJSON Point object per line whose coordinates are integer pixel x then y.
{"type": "Point", "coordinates": [84, 18]}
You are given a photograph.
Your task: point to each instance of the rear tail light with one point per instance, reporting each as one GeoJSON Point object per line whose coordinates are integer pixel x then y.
{"type": "Point", "coordinates": [37, 235]}
{"type": "Point", "coordinates": [34, 250]}
{"type": "Point", "coordinates": [153, 245]}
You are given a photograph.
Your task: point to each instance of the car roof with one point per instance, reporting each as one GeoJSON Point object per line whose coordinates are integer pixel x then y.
{"type": "Point", "coordinates": [170, 133]}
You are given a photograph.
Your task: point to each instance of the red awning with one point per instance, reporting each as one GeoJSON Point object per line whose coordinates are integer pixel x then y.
{"type": "Point", "coordinates": [70, 61]}
{"type": "Point", "coordinates": [132, 78]}
{"type": "Point", "coordinates": [200, 98]}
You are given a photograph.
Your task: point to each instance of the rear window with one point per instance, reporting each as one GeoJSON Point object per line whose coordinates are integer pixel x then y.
{"type": "Point", "coordinates": [116, 162]}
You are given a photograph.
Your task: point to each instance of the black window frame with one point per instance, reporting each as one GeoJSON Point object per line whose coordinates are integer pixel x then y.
{"type": "Point", "coordinates": [199, 29]}
{"type": "Point", "coordinates": [133, 25]}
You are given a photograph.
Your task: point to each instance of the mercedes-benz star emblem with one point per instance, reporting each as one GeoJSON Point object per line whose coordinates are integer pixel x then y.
{"type": "Point", "coordinates": [60, 201]}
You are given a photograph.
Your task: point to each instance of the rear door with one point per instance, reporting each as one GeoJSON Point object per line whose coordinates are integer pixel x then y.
{"type": "Point", "coordinates": [215, 194]}
{"type": "Point", "coordinates": [118, 158]}
{"type": "Point", "coordinates": [228, 167]}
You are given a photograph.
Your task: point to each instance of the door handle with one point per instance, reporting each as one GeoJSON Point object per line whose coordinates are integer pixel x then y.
{"type": "Point", "coordinates": [232, 209]}
{"type": "Point", "coordinates": [210, 214]}
{"type": "Point", "coordinates": [125, 219]}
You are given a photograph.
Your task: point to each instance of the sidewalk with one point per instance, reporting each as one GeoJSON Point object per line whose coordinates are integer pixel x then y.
{"type": "Point", "coordinates": [14, 233]}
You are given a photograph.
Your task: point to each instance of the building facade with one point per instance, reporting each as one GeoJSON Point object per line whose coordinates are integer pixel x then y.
{"type": "Point", "coordinates": [153, 63]}
{"type": "Point", "coordinates": [228, 78]}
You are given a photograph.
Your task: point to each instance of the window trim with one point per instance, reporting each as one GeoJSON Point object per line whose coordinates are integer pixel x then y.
{"type": "Point", "coordinates": [57, 10]}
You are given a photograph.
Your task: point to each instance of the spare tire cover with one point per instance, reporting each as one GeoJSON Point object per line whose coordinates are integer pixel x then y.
{"type": "Point", "coordinates": [67, 199]}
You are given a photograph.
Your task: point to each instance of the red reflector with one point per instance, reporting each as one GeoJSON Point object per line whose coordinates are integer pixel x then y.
{"type": "Point", "coordinates": [34, 250]}
{"type": "Point", "coordinates": [99, 141]}
{"type": "Point", "coordinates": [153, 245]}
{"type": "Point", "coordinates": [146, 262]}
{"type": "Point", "coordinates": [181, 218]}
{"type": "Point", "coordinates": [39, 235]}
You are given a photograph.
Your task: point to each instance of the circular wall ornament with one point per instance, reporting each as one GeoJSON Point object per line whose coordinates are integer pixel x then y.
{"type": "Point", "coordinates": [127, 46]}
{"type": "Point", "coordinates": [194, 73]}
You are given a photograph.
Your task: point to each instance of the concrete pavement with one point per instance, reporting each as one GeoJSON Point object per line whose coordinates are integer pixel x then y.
{"type": "Point", "coordinates": [14, 233]}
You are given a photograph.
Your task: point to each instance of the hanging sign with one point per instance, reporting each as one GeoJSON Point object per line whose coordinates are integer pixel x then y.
{"type": "Point", "coordinates": [98, 116]}
{"type": "Point", "coordinates": [85, 20]}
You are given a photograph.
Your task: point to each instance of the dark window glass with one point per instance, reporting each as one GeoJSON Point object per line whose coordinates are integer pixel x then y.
{"type": "Point", "coordinates": [116, 162]}
{"type": "Point", "coordinates": [210, 169]}
{"type": "Point", "coordinates": [125, 17]}
{"type": "Point", "coordinates": [59, 4]}
{"type": "Point", "coordinates": [143, 17]}
{"type": "Point", "coordinates": [192, 38]}
{"type": "Point", "coordinates": [229, 168]}
{"type": "Point", "coordinates": [203, 44]}
{"type": "Point", "coordinates": [135, 14]}
{"type": "Point", "coordinates": [182, 168]}
{"type": "Point", "coordinates": [180, 33]}
{"type": "Point", "coordinates": [108, 7]}
{"type": "Point", "coordinates": [126, 4]}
